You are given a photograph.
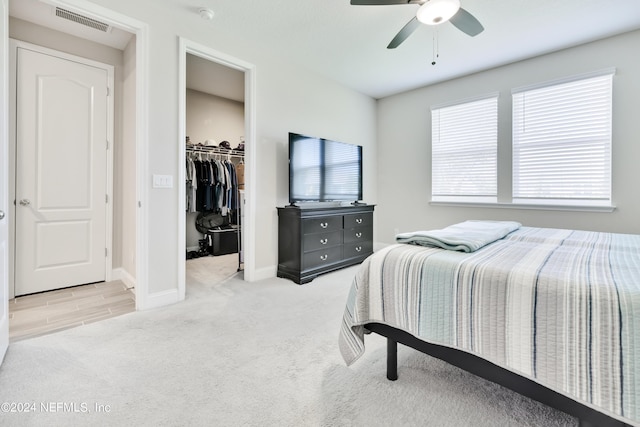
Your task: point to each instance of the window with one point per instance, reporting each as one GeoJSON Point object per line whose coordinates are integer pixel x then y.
{"type": "Point", "coordinates": [464, 151]}
{"type": "Point", "coordinates": [562, 142]}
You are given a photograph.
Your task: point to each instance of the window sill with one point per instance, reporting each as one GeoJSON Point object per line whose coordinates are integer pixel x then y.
{"type": "Point", "coordinates": [578, 208]}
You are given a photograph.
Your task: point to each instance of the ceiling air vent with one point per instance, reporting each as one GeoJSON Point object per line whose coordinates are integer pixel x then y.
{"type": "Point", "coordinates": [80, 19]}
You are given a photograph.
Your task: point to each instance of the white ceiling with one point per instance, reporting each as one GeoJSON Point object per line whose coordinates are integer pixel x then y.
{"type": "Point", "coordinates": [348, 43]}
{"type": "Point", "coordinates": [44, 14]}
{"type": "Point", "coordinates": [213, 78]}
{"type": "Point", "coordinates": [202, 75]}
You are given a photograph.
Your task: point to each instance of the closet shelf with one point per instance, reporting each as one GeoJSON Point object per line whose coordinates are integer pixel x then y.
{"type": "Point", "coordinates": [214, 150]}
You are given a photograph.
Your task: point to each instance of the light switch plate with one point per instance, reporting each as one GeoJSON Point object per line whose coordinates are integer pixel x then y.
{"type": "Point", "coordinates": [162, 181]}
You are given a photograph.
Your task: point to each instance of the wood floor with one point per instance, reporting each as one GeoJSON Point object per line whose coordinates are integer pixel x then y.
{"type": "Point", "coordinates": [46, 312]}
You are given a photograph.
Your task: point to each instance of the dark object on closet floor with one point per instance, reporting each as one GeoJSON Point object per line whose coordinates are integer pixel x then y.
{"type": "Point", "coordinates": [208, 220]}
{"type": "Point", "coordinates": [588, 417]}
{"type": "Point", "coordinates": [224, 240]}
{"type": "Point", "coordinates": [204, 247]}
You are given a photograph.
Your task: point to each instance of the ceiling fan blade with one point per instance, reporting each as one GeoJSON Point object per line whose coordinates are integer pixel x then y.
{"type": "Point", "coordinates": [383, 2]}
{"type": "Point", "coordinates": [404, 33]}
{"type": "Point", "coordinates": [467, 23]}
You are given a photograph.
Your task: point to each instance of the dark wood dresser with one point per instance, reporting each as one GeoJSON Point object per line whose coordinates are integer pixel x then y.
{"type": "Point", "coordinates": [312, 241]}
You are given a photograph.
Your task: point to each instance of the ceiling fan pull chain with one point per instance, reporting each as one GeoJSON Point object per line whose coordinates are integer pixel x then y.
{"type": "Point", "coordinates": [436, 48]}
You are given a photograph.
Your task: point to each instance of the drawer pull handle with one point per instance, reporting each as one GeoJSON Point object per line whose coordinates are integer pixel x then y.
{"type": "Point", "coordinates": [324, 257]}
{"type": "Point", "coordinates": [358, 235]}
{"type": "Point", "coordinates": [359, 249]}
{"type": "Point", "coordinates": [324, 241]}
{"type": "Point", "coordinates": [324, 224]}
{"type": "Point", "coordinates": [358, 220]}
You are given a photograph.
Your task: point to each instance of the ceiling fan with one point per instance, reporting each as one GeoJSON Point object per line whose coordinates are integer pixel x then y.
{"type": "Point", "coordinates": [431, 12]}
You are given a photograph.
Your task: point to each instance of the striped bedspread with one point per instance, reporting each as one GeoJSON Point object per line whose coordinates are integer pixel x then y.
{"type": "Point", "coordinates": [561, 307]}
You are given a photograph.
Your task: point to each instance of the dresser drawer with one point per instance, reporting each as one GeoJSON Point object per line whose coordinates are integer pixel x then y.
{"type": "Point", "coordinates": [358, 220]}
{"type": "Point", "coordinates": [321, 224]}
{"type": "Point", "coordinates": [353, 250]}
{"type": "Point", "coordinates": [358, 234]}
{"type": "Point", "coordinates": [317, 259]}
{"type": "Point", "coordinates": [311, 242]}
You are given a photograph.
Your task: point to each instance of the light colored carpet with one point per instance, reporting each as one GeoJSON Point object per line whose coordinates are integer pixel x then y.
{"type": "Point", "coordinates": [210, 270]}
{"type": "Point", "coordinates": [244, 354]}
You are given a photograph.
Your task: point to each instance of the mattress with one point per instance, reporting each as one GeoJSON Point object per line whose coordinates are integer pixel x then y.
{"type": "Point", "coordinates": [560, 307]}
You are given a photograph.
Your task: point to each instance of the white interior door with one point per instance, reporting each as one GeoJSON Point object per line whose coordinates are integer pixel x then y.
{"type": "Point", "coordinates": [61, 172]}
{"type": "Point", "coordinates": [4, 183]}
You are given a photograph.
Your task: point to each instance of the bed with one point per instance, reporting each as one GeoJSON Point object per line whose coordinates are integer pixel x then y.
{"type": "Point", "coordinates": [553, 314]}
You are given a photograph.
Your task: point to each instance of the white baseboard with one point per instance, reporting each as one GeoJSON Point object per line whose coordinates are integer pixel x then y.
{"type": "Point", "coordinates": [122, 274]}
{"type": "Point", "coordinates": [158, 299]}
{"type": "Point", "coordinates": [265, 273]}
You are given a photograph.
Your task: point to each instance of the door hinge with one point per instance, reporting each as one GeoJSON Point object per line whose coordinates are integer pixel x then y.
{"type": "Point", "coordinates": [106, 252]}
{"type": "Point", "coordinates": [108, 91]}
{"type": "Point", "coordinates": [107, 144]}
{"type": "Point", "coordinates": [106, 198]}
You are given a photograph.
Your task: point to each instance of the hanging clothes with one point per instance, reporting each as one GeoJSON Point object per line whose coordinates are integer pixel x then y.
{"type": "Point", "coordinates": [212, 185]}
{"type": "Point", "coordinates": [191, 185]}
{"type": "Point", "coordinates": [232, 192]}
{"type": "Point", "coordinates": [240, 175]}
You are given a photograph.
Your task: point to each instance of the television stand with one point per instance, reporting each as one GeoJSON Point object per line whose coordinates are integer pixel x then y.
{"type": "Point", "coordinates": [319, 240]}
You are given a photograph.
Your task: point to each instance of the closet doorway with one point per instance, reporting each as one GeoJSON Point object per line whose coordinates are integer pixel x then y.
{"type": "Point", "coordinates": [214, 123]}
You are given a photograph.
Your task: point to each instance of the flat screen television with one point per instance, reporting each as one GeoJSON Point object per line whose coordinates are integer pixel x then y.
{"type": "Point", "coordinates": [322, 170]}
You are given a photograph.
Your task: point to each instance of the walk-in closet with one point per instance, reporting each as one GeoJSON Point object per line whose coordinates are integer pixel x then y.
{"type": "Point", "coordinates": [214, 171]}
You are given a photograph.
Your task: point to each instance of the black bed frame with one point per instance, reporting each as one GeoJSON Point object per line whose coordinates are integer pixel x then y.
{"type": "Point", "coordinates": [588, 417]}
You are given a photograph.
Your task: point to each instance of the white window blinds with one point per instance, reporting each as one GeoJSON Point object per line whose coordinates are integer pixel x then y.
{"type": "Point", "coordinates": [464, 151]}
{"type": "Point", "coordinates": [562, 142]}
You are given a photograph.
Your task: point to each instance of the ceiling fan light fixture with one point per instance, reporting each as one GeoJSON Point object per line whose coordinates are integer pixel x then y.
{"type": "Point", "coordinates": [435, 12]}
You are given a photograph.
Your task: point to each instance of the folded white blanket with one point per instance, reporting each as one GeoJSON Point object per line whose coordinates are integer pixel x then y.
{"type": "Point", "coordinates": [468, 236]}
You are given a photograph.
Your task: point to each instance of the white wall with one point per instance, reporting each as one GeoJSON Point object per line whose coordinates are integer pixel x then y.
{"type": "Point", "coordinates": [404, 138]}
{"type": "Point", "coordinates": [213, 117]}
{"type": "Point", "coordinates": [295, 102]}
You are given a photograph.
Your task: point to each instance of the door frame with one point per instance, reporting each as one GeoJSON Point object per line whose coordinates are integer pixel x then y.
{"type": "Point", "coordinates": [14, 45]}
{"type": "Point", "coordinates": [4, 177]}
{"type": "Point", "coordinates": [248, 245]}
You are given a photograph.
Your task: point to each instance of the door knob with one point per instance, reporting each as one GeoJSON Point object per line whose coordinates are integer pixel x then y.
{"type": "Point", "coordinates": [1, 214]}
{"type": "Point", "coordinates": [25, 202]}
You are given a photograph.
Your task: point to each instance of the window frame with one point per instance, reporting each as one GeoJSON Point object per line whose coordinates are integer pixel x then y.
{"type": "Point", "coordinates": [577, 145]}
{"type": "Point", "coordinates": [437, 195]}
{"type": "Point", "coordinates": [505, 199]}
